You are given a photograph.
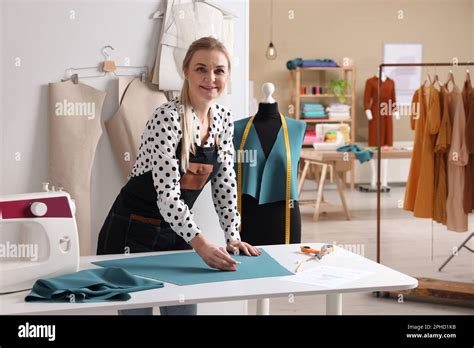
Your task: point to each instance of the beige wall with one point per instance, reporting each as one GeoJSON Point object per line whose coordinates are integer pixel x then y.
{"type": "Point", "coordinates": [357, 29]}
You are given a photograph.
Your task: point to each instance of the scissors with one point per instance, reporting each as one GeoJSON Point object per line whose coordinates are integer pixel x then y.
{"type": "Point", "coordinates": [325, 249]}
{"type": "Point", "coordinates": [316, 254]}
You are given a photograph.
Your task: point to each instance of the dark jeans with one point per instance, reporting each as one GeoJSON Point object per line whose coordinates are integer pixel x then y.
{"type": "Point", "coordinates": [120, 234]}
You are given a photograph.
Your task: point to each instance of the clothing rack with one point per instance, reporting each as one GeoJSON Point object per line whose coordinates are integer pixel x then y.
{"type": "Point", "coordinates": [379, 152]}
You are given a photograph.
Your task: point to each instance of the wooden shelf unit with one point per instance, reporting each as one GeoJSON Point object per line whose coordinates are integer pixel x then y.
{"type": "Point", "coordinates": [295, 83]}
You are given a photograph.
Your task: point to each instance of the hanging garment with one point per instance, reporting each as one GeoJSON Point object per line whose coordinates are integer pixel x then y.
{"type": "Point", "coordinates": [264, 181]}
{"type": "Point", "coordinates": [443, 142]}
{"type": "Point", "coordinates": [387, 101]}
{"type": "Point", "coordinates": [185, 21]}
{"type": "Point", "coordinates": [469, 175]}
{"type": "Point", "coordinates": [91, 285]}
{"type": "Point", "coordinates": [467, 94]}
{"type": "Point", "coordinates": [457, 160]}
{"type": "Point", "coordinates": [425, 120]}
{"type": "Point", "coordinates": [138, 100]}
{"type": "Point", "coordinates": [74, 131]}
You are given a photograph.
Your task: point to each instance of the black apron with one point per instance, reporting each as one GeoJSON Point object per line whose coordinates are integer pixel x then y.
{"type": "Point", "coordinates": [134, 224]}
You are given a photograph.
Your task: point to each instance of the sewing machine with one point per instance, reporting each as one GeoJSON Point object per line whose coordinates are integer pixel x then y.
{"type": "Point", "coordinates": [42, 238]}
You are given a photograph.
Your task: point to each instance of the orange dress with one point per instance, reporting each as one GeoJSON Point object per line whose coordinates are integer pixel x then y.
{"type": "Point", "coordinates": [387, 96]}
{"type": "Point", "coordinates": [443, 142]}
{"type": "Point", "coordinates": [425, 120]}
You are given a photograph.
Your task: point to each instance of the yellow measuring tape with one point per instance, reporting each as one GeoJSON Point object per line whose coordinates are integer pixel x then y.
{"type": "Point", "coordinates": [288, 174]}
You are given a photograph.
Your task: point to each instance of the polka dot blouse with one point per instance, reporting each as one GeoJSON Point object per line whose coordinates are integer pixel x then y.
{"type": "Point", "coordinates": [157, 153]}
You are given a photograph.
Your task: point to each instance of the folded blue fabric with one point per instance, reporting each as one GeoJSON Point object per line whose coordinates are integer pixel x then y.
{"type": "Point", "coordinates": [294, 63]}
{"type": "Point", "coordinates": [299, 62]}
{"type": "Point", "coordinates": [321, 117]}
{"type": "Point", "coordinates": [313, 108]}
{"type": "Point", "coordinates": [312, 105]}
{"type": "Point", "coordinates": [361, 154]}
{"type": "Point", "coordinates": [314, 113]}
{"type": "Point", "coordinates": [91, 285]}
{"type": "Point", "coordinates": [318, 63]}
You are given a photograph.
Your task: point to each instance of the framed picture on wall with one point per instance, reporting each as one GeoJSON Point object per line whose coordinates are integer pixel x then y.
{"type": "Point", "coordinates": [407, 79]}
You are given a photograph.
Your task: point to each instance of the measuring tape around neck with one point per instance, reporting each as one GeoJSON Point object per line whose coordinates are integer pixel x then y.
{"type": "Point", "coordinates": [288, 174]}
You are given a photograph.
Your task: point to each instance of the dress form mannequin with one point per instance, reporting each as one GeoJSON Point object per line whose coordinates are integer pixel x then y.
{"type": "Point", "coordinates": [73, 138]}
{"type": "Point", "coordinates": [137, 101]}
{"type": "Point", "coordinates": [267, 119]}
{"type": "Point", "coordinates": [384, 172]}
{"type": "Point", "coordinates": [264, 224]}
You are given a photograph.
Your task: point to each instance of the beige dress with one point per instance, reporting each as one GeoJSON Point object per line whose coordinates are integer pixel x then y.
{"type": "Point", "coordinates": [457, 160]}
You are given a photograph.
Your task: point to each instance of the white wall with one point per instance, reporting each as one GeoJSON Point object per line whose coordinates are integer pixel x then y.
{"type": "Point", "coordinates": [48, 41]}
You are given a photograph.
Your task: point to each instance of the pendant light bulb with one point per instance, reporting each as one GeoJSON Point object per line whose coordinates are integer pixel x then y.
{"type": "Point", "coordinates": [271, 52]}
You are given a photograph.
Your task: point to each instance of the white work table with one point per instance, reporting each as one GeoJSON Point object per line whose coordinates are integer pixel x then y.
{"type": "Point", "coordinates": [381, 279]}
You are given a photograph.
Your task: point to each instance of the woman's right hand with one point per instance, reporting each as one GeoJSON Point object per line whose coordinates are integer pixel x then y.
{"type": "Point", "coordinates": [214, 256]}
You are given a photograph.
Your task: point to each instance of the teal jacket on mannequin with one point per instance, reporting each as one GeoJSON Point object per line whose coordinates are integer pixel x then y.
{"type": "Point", "coordinates": [265, 179]}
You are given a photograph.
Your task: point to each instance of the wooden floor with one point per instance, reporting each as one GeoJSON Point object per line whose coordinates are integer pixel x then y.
{"type": "Point", "coordinates": [406, 247]}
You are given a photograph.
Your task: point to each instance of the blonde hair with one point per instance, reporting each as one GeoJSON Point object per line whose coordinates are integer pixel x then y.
{"type": "Point", "coordinates": [187, 145]}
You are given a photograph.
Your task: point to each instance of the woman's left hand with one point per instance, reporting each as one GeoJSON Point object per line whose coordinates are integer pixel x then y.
{"type": "Point", "coordinates": [245, 247]}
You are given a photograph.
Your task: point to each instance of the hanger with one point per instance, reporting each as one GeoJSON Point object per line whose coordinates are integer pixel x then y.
{"type": "Point", "coordinates": [160, 13]}
{"type": "Point", "coordinates": [227, 14]}
{"type": "Point", "coordinates": [436, 79]}
{"type": "Point", "coordinates": [450, 79]}
{"type": "Point", "coordinates": [428, 77]}
{"type": "Point", "coordinates": [107, 66]}
{"type": "Point", "coordinates": [468, 75]}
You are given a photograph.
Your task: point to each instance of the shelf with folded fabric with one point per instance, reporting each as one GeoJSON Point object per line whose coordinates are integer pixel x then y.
{"type": "Point", "coordinates": [322, 96]}
{"type": "Point", "coordinates": [321, 76]}
{"type": "Point", "coordinates": [325, 120]}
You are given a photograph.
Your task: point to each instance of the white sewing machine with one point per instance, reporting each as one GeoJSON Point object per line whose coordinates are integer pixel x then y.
{"type": "Point", "coordinates": [43, 240]}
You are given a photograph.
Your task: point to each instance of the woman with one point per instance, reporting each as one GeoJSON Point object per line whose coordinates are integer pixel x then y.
{"type": "Point", "coordinates": [187, 143]}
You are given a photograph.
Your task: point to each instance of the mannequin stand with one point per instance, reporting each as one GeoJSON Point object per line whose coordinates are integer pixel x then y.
{"type": "Point", "coordinates": [369, 188]}
{"type": "Point", "coordinates": [463, 245]}
{"type": "Point", "coordinates": [373, 187]}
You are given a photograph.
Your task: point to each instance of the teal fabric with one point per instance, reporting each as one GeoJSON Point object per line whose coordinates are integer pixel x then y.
{"type": "Point", "coordinates": [299, 62]}
{"type": "Point", "coordinates": [312, 106]}
{"type": "Point", "coordinates": [266, 180]}
{"type": "Point", "coordinates": [294, 63]}
{"type": "Point", "coordinates": [187, 268]}
{"type": "Point", "coordinates": [92, 285]}
{"type": "Point", "coordinates": [313, 113]}
{"type": "Point", "coordinates": [361, 154]}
